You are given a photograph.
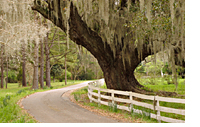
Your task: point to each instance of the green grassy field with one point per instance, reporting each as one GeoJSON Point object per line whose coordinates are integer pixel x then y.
{"type": "Point", "coordinates": [10, 111]}
{"type": "Point", "coordinates": [163, 86]}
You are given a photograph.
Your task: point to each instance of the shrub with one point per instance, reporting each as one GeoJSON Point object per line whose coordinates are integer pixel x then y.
{"type": "Point", "coordinates": [12, 78]}
{"type": "Point", "coordinates": [88, 75]}
{"type": "Point", "coordinates": [62, 77]}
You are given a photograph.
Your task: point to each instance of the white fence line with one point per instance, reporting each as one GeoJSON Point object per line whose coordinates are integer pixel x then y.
{"type": "Point", "coordinates": [155, 106]}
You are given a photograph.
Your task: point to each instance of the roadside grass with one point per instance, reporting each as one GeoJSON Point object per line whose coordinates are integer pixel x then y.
{"type": "Point", "coordinates": [11, 112]}
{"type": "Point", "coordinates": [81, 97]}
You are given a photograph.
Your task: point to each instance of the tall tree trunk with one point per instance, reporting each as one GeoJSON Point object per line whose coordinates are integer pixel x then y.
{"type": "Point", "coordinates": [35, 74]}
{"type": "Point", "coordinates": [7, 72]}
{"type": "Point", "coordinates": [41, 65]}
{"type": "Point", "coordinates": [24, 66]}
{"type": "Point", "coordinates": [2, 67]}
{"type": "Point", "coordinates": [48, 76]}
{"type": "Point", "coordinates": [24, 74]}
{"type": "Point", "coordinates": [66, 69]}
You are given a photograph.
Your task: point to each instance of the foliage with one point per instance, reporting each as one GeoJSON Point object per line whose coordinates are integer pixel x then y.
{"type": "Point", "coordinates": [56, 70]}
{"type": "Point", "coordinates": [62, 76]}
{"type": "Point", "coordinates": [19, 75]}
{"type": "Point", "coordinates": [181, 71]}
{"type": "Point", "coordinates": [140, 68]}
{"type": "Point", "coordinates": [12, 78]}
{"type": "Point", "coordinates": [167, 69]}
{"type": "Point", "coordinates": [88, 75]}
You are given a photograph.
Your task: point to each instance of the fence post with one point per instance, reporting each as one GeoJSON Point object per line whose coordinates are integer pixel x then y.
{"type": "Point", "coordinates": [90, 89]}
{"type": "Point", "coordinates": [158, 109]}
{"type": "Point", "coordinates": [131, 98]}
{"type": "Point", "coordinates": [113, 98]}
{"type": "Point", "coordinates": [99, 97]}
{"type": "Point", "coordinates": [95, 83]}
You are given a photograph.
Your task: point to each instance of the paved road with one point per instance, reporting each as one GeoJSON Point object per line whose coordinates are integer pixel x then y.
{"type": "Point", "coordinates": [51, 107]}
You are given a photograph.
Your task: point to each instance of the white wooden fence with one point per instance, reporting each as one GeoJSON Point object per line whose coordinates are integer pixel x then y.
{"type": "Point", "coordinates": [131, 102]}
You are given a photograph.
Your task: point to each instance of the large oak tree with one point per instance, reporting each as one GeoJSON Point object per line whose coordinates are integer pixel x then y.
{"type": "Point", "coordinates": [120, 33]}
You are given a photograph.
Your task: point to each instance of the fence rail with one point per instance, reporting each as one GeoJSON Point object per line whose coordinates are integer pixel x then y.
{"type": "Point", "coordinates": [155, 106]}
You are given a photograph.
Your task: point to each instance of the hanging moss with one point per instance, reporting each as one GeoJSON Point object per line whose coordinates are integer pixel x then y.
{"type": "Point", "coordinates": [158, 23]}
{"type": "Point", "coordinates": [20, 24]}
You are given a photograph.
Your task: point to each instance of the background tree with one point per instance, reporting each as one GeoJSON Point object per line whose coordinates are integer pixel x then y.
{"type": "Point", "coordinates": [41, 64]}
{"type": "Point", "coordinates": [2, 65]}
{"type": "Point", "coordinates": [17, 26]}
{"type": "Point", "coordinates": [56, 70]}
{"type": "Point", "coordinates": [23, 64]}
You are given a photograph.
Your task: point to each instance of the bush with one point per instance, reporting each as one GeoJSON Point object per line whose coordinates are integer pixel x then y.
{"type": "Point", "coordinates": [12, 78]}
{"type": "Point", "coordinates": [167, 69]}
{"type": "Point", "coordinates": [62, 77]}
{"type": "Point", "coordinates": [88, 75]}
{"type": "Point", "coordinates": [140, 68]}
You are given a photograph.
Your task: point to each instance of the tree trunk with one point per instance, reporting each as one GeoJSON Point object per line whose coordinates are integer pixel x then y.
{"type": "Point", "coordinates": [2, 67]}
{"type": "Point", "coordinates": [119, 77]}
{"type": "Point", "coordinates": [24, 66]}
{"type": "Point", "coordinates": [35, 74]}
{"type": "Point", "coordinates": [48, 76]}
{"type": "Point", "coordinates": [7, 72]}
{"type": "Point", "coordinates": [65, 69]}
{"type": "Point", "coordinates": [41, 65]}
{"type": "Point", "coordinates": [24, 74]}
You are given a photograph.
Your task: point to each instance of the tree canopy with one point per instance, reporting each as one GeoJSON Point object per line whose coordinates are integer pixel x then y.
{"type": "Point", "coordinates": [119, 33]}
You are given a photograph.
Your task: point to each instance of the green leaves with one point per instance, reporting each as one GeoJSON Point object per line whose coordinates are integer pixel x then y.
{"type": "Point", "coordinates": [56, 70]}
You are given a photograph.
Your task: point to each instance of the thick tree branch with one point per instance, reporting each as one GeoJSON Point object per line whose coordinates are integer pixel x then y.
{"type": "Point", "coordinates": [40, 9]}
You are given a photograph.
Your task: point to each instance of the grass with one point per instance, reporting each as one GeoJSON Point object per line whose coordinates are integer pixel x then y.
{"type": "Point", "coordinates": [166, 87]}
{"type": "Point", "coordinates": [10, 111]}
{"type": "Point", "coordinates": [159, 85]}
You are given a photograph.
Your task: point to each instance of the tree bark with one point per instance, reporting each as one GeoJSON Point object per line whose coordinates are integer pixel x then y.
{"type": "Point", "coordinates": [48, 77]}
{"type": "Point", "coordinates": [7, 60]}
{"type": "Point", "coordinates": [24, 74]}
{"type": "Point", "coordinates": [23, 66]}
{"type": "Point", "coordinates": [41, 65]}
{"type": "Point", "coordinates": [35, 74]}
{"type": "Point", "coordinates": [66, 69]}
{"type": "Point", "coordinates": [2, 67]}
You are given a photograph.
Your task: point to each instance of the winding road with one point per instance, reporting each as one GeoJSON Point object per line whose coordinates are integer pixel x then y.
{"type": "Point", "coordinates": [51, 107]}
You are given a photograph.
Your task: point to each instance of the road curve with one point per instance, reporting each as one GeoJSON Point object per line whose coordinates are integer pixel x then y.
{"type": "Point", "coordinates": [51, 107]}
